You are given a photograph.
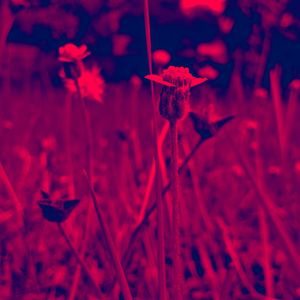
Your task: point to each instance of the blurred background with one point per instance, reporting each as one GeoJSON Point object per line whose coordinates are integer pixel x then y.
{"type": "Point", "coordinates": [206, 36]}
{"type": "Point", "coordinates": [248, 49]}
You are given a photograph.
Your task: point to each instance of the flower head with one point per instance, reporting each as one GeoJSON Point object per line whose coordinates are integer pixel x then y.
{"type": "Point", "coordinates": [72, 53]}
{"type": "Point", "coordinates": [90, 82]}
{"type": "Point", "coordinates": [175, 94]}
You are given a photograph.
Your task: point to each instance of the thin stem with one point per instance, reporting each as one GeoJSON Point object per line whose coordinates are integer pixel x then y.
{"type": "Point", "coordinates": [158, 177]}
{"type": "Point", "coordinates": [263, 59]}
{"type": "Point", "coordinates": [152, 208]}
{"type": "Point", "coordinates": [16, 201]}
{"type": "Point", "coordinates": [90, 172]}
{"type": "Point", "coordinates": [7, 21]}
{"type": "Point", "coordinates": [79, 260]}
{"type": "Point", "coordinates": [88, 131]}
{"type": "Point", "coordinates": [267, 259]}
{"type": "Point", "coordinates": [71, 185]}
{"type": "Point", "coordinates": [110, 245]}
{"type": "Point", "coordinates": [177, 291]}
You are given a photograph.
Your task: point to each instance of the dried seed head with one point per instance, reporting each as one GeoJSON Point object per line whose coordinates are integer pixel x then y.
{"type": "Point", "coordinates": [174, 101]}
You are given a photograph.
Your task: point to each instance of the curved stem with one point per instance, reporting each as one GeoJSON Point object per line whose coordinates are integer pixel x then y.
{"type": "Point", "coordinates": [177, 287]}
{"type": "Point", "coordinates": [79, 259]}
{"type": "Point", "coordinates": [152, 208]}
{"type": "Point", "coordinates": [158, 178]}
{"type": "Point", "coordinates": [71, 185]}
{"type": "Point", "coordinates": [86, 233]}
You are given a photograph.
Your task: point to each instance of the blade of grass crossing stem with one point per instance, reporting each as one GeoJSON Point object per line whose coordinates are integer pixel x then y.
{"type": "Point", "coordinates": [158, 182]}
{"type": "Point", "coordinates": [79, 260]}
{"type": "Point", "coordinates": [235, 259]}
{"type": "Point", "coordinates": [14, 197]}
{"type": "Point", "coordinates": [110, 245]}
{"type": "Point", "coordinates": [152, 208]}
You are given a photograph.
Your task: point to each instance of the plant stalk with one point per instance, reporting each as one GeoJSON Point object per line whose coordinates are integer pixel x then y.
{"type": "Point", "coordinates": [177, 291]}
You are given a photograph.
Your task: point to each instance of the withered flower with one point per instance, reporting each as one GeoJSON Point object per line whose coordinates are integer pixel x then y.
{"type": "Point", "coordinates": [56, 210]}
{"type": "Point", "coordinates": [206, 129]}
{"type": "Point", "coordinates": [175, 94]}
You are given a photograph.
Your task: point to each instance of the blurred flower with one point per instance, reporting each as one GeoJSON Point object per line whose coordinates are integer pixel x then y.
{"type": "Point", "coordinates": [56, 211]}
{"type": "Point", "coordinates": [297, 167]}
{"type": "Point", "coordinates": [225, 24]}
{"type": "Point", "coordinates": [90, 82]}
{"type": "Point", "coordinates": [175, 94]}
{"type": "Point", "coordinates": [261, 93]}
{"type": "Point", "coordinates": [295, 85]}
{"type": "Point", "coordinates": [208, 72]}
{"type": "Point", "coordinates": [72, 53]}
{"type": "Point", "coordinates": [161, 57]}
{"type": "Point", "coordinates": [23, 3]}
{"type": "Point", "coordinates": [215, 50]}
{"type": "Point", "coordinates": [120, 44]}
{"type": "Point", "coordinates": [217, 6]}
{"type": "Point", "coordinates": [286, 20]}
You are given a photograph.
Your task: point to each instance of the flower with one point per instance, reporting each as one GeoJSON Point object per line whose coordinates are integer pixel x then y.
{"type": "Point", "coordinates": [72, 53]}
{"type": "Point", "coordinates": [56, 211]}
{"type": "Point", "coordinates": [175, 94]}
{"type": "Point", "coordinates": [90, 82]}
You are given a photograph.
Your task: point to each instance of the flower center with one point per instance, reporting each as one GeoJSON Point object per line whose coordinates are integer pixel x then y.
{"type": "Point", "coordinates": [179, 76]}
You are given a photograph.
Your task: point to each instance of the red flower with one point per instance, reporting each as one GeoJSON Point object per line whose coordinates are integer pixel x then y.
{"type": "Point", "coordinates": [174, 75]}
{"type": "Point", "coordinates": [175, 94]}
{"type": "Point", "coordinates": [90, 82]}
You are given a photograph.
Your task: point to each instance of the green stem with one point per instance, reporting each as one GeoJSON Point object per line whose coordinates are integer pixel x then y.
{"type": "Point", "coordinates": [90, 164]}
{"type": "Point", "coordinates": [152, 208]}
{"type": "Point", "coordinates": [71, 186]}
{"type": "Point", "coordinates": [158, 177]}
{"type": "Point", "coordinates": [177, 287]}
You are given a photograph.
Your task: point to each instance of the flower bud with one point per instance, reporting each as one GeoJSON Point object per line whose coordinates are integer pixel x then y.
{"type": "Point", "coordinates": [174, 101]}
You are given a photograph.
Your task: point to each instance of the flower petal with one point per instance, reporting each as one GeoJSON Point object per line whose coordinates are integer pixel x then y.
{"type": "Point", "coordinates": [158, 79]}
{"type": "Point", "coordinates": [198, 81]}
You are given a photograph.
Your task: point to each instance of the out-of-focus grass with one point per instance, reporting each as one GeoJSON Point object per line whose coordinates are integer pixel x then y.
{"type": "Point", "coordinates": [33, 150]}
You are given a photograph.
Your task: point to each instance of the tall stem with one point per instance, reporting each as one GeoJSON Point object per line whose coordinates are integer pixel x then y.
{"type": "Point", "coordinates": [79, 259]}
{"type": "Point", "coordinates": [177, 291]}
{"type": "Point", "coordinates": [158, 179]}
{"type": "Point", "coordinates": [71, 185]}
{"type": "Point", "coordinates": [86, 233]}
{"type": "Point", "coordinates": [111, 247]}
{"type": "Point", "coordinates": [152, 208]}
